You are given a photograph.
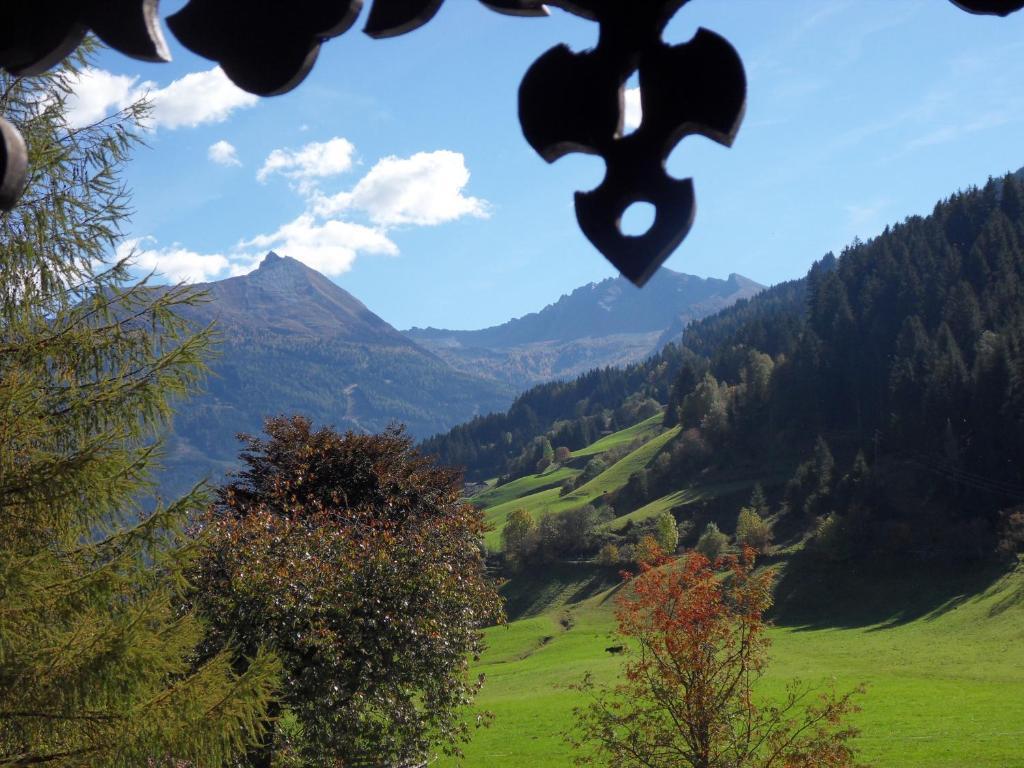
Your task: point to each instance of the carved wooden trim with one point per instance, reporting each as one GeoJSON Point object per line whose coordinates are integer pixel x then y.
{"type": "Point", "coordinates": [568, 101]}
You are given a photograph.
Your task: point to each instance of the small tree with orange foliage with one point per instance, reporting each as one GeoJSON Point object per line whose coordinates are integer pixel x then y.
{"type": "Point", "coordinates": [688, 695]}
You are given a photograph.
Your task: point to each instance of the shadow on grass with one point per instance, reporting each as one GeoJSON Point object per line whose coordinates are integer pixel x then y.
{"type": "Point", "coordinates": [811, 594]}
{"type": "Point", "coordinates": [539, 588]}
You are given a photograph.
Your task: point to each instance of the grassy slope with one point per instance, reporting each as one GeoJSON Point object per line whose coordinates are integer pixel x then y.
{"type": "Point", "coordinates": [665, 504]}
{"type": "Point", "coordinates": [944, 689]}
{"type": "Point", "coordinates": [643, 430]}
{"type": "Point", "coordinates": [550, 500]}
{"type": "Point", "coordinates": [553, 476]}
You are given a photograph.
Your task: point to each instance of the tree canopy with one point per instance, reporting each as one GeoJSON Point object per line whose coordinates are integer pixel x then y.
{"type": "Point", "coordinates": [356, 558]}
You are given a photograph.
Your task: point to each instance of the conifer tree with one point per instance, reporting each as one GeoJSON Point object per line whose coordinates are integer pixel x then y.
{"type": "Point", "coordinates": [96, 651]}
{"type": "Point", "coordinates": [759, 501]}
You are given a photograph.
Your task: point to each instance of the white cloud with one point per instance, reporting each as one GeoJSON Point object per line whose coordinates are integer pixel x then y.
{"type": "Point", "coordinates": [223, 153]}
{"type": "Point", "coordinates": [97, 93]}
{"type": "Point", "coordinates": [633, 109]}
{"type": "Point", "coordinates": [425, 189]}
{"type": "Point", "coordinates": [175, 263]}
{"type": "Point", "coordinates": [954, 131]}
{"type": "Point", "coordinates": [422, 190]}
{"type": "Point", "coordinates": [198, 98]}
{"type": "Point", "coordinates": [194, 99]}
{"type": "Point", "coordinates": [330, 247]}
{"type": "Point", "coordinates": [316, 160]}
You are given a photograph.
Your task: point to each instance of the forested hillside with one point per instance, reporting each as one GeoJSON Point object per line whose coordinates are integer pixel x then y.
{"type": "Point", "coordinates": [574, 413]}
{"type": "Point", "coordinates": [887, 385]}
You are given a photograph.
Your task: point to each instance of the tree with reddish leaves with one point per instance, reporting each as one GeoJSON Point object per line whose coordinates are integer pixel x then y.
{"type": "Point", "coordinates": [687, 698]}
{"type": "Point", "coordinates": [354, 557]}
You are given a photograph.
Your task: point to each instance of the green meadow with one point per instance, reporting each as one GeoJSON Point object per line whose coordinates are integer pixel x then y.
{"type": "Point", "coordinates": [942, 656]}
{"type": "Point", "coordinates": [945, 688]}
{"type": "Point", "coordinates": [643, 430]}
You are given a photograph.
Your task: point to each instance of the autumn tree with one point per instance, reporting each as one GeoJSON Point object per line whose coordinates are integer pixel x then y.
{"type": "Point", "coordinates": [355, 557]}
{"type": "Point", "coordinates": [97, 654]}
{"type": "Point", "coordinates": [687, 696]}
{"type": "Point", "coordinates": [647, 550]}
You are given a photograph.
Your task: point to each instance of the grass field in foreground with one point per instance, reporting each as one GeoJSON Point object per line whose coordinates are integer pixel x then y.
{"type": "Point", "coordinates": [945, 686]}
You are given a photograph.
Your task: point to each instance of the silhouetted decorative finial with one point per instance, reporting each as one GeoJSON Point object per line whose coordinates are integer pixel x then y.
{"type": "Point", "coordinates": [568, 101]}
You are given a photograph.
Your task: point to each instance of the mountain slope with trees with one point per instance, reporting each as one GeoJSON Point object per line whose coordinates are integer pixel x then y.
{"type": "Point", "coordinates": [887, 385]}
{"type": "Point", "coordinates": [289, 340]}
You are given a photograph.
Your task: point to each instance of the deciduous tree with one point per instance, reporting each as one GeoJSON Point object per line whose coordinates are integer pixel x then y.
{"type": "Point", "coordinates": [357, 559]}
{"type": "Point", "coordinates": [712, 542]}
{"type": "Point", "coordinates": [753, 531]}
{"type": "Point", "coordinates": [667, 533]}
{"type": "Point", "coordinates": [518, 537]}
{"type": "Point", "coordinates": [687, 697]}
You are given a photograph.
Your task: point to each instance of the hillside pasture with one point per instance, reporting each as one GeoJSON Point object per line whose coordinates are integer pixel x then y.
{"type": "Point", "coordinates": [945, 688]}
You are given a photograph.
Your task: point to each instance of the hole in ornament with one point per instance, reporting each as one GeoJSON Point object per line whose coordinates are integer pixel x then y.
{"type": "Point", "coordinates": [682, 28]}
{"type": "Point", "coordinates": [633, 111]}
{"type": "Point", "coordinates": [637, 219]}
{"type": "Point", "coordinates": [693, 153]}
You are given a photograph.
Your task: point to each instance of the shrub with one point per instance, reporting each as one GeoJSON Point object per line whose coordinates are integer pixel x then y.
{"type": "Point", "coordinates": [1011, 531]}
{"type": "Point", "coordinates": [712, 542]}
{"type": "Point", "coordinates": [609, 555]}
{"type": "Point", "coordinates": [647, 551]}
{"type": "Point", "coordinates": [593, 468]}
{"type": "Point", "coordinates": [753, 531]}
{"type": "Point", "coordinates": [688, 697]}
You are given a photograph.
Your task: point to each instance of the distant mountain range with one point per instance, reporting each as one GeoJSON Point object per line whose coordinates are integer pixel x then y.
{"type": "Point", "coordinates": [601, 324]}
{"type": "Point", "coordinates": [293, 341]}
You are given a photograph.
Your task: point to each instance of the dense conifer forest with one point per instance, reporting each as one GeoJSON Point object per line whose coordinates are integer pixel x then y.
{"type": "Point", "coordinates": [888, 385]}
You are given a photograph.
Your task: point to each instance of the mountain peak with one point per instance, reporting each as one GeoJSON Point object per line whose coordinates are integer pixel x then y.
{"type": "Point", "coordinates": [274, 260]}
{"type": "Point", "coordinates": [285, 296]}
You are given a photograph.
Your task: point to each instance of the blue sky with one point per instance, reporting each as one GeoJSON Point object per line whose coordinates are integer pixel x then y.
{"type": "Point", "coordinates": [398, 166]}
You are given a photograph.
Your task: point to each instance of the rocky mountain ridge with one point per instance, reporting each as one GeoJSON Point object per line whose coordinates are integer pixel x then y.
{"type": "Point", "coordinates": [600, 324]}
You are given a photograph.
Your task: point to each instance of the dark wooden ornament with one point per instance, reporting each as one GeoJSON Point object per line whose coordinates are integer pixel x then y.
{"type": "Point", "coordinates": [13, 165]}
{"type": "Point", "coordinates": [390, 18]}
{"type": "Point", "coordinates": [990, 7]}
{"type": "Point", "coordinates": [568, 101]}
{"type": "Point", "coordinates": [517, 7]}
{"type": "Point", "coordinates": [573, 102]}
{"type": "Point", "coordinates": [266, 47]}
{"type": "Point", "coordinates": [36, 36]}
